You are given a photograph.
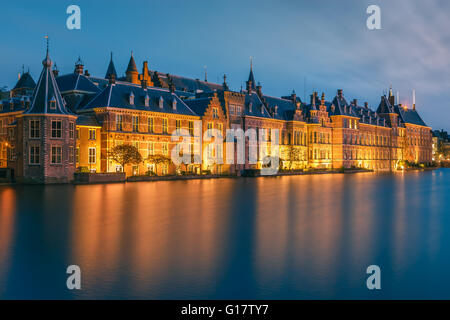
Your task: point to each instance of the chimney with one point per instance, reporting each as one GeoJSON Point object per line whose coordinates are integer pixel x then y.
{"type": "Point", "coordinates": [355, 102]}
{"type": "Point", "coordinates": [322, 102]}
{"type": "Point", "coordinates": [86, 73]}
{"type": "Point", "coordinates": [112, 78]}
{"type": "Point", "coordinates": [79, 66]}
{"type": "Point", "coordinates": [144, 84]}
{"type": "Point", "coordinates": [259, 89]}
{"type": "Point", "coordinates": [366, 105]}
{"type": "Point", "coordinates": [339, 93]}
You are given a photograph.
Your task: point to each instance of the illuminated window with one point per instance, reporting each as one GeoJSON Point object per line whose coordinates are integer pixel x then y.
{"type": "Point", "coordinates": [77, 155]}
{"type": "Point", "coordinates": [56, 129]}
{"type": "Point", "coordinates": [178, 125]}
{"type": "Point", "coordinates": [191, 128]}
{"type": "Point", "coordinates": [165, 125]}
{"type": "Point", "coordinates": [92, 134]}
{"type": "Point", "coordinates": [150, 124]}
{"type": "Point", "coordinates": [119, 122]}
{"type": "Point", "coordinates": [151, 148]}
{"type": "Point", "coordinates": [135, 120]}
{"type": "Point", "coordinates": [92, 155]}
{"type": "Point", "coordinates": [165, 148]}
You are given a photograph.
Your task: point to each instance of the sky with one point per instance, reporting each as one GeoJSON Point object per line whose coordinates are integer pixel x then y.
{"type": "Point", "coordinates": [321, 45]}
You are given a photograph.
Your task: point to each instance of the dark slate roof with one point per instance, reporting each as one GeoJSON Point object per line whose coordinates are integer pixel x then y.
{"type": "Point", "coordinates": [46, 90]}
{"type": "Point", "coordinates": [76, 82]}
{"type": "Point", "coordinates": [87, 120]}
{"type": "Point", "coordinates": [117, 96]}
{"type": "Point", "coordinates": [385, 106]}
{"type": "Point", "coordinates": [258, 109]}
{"type": "Point", "coordinates": [132, 64]}
{"type": "Point", "coordinates": [341, 107]}
{"type": "Point", "coordinates": [368, 116]}
{"type": "Point", "coordinates": [199, 105]}
{"type": "Point", "coordinates": [25, 81]}
{"type": "Point", "coordinates": [188, 84]}
{"type": "Point", "coordinates": [111, 69]}
{"type": "Point", "coordinates": [18, 104]}
{"type": "Point", "coordinates": [285, 110]}
{"type": "Point", "coordinates": [409, 116]}
{"type": "Point", "coordinates": [76, 101]}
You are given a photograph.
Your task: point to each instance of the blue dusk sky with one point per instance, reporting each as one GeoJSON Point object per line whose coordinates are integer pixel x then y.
{"type": "Point", "coordinates": [301, 45]}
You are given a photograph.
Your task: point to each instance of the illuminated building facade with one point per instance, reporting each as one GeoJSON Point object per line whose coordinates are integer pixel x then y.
{"type": "Point", "coordinates": [144, 109]}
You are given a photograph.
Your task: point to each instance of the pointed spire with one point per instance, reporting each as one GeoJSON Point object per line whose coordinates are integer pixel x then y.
{"type": "Point", "coordinates": [206, 73]}
{"type": "Point", "coordinates": [225, 85]}
{"type": "Point", "coordinates": [132, 64]}
{"type": "Point", "coordinates": [251, 78]}
{"type": "Point", "coordinates": [79, 66]}
{"type": "Point", "coordinates": [47, 98]}
{"type": "Point", "coordinates": [111, 69]}
{"type": "Point", "coordinates": [414, 99]}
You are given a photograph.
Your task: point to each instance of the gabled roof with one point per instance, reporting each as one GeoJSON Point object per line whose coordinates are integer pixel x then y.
{"type": "Point", "coordinates": [258, 109]}
{"type": "Point", "coordinates": [285, 107]}
{"type": "Point", "coordinates": [46, 92]}
{"type": "Point", "coordinates": [385, 106]}
{"type": "Point", "coordinates": [199, 105]}
{"type": "Point", "coordinates": [76, 82]}
{"type": "Point", "coordinates": [341, 107]}
{"type": "Point", "coordinates": [409, 116]}
{"type": "Point", "coordinates": [118, 96]}
{"type": "Point", "coordinates": [187, 84]}
{"type": "Point", "coordinates": [25, 81]}
{"type": "Point", "coordinates": [87, 120]}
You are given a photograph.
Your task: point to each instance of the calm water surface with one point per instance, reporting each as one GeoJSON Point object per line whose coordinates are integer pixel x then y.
{"type": "Point", "coordinates": [265, 238]}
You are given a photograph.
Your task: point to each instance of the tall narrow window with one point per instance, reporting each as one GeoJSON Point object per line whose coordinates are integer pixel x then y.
{"type": "Point", "coordinates": [77, 155]}
{"type": "Point", "coordinates": [56, 129]}
{"type": "Point", "coordinates": [34, 129]}
{"type": "Point", "coordinates": [165, 148]}
{"type": "Point", "coordinates": [34, 155]}
{"type": "Point", "coordinates": [150, 124]}
{"type": "Point", "coordinates": [178, 125]}
{"type": "Point", "coordinates": [215, 113]}
{"type": "Point", "coordinates": [164, 125]}
{"type": "Point", "coordinates": [92, 155]}
{"type": "Point", "coordinates": [119, 122]}
{"type": "Point", "coordinates": [92, 134]}
{"type": "Point", "coordinates": [135, 124]}
{"type": "Point", "coordinates": [71, 155]}
{"type": "Point", "coordinates": [191, 128]}
{"type": "Point", "coordinates": [56, 155]}
{"type": "Point", "coordinates": [71, 130]}
{"type": "Point", "coordinates": [151, 148]}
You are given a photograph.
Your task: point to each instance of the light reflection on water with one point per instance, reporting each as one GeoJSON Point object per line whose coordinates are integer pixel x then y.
{"type": "Point", "coordinates": [270, 238]}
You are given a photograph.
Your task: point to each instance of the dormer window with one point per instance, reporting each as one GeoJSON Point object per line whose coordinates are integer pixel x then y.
{"type": "Point", "coordinates": [52, 103]}
{"type": "Point", "coordinates": [250, 107]}
{"type": "Point", "coordinates": [146, 100]}
{"type": "Point", "coordinates": [174, 104]}
{"type": "Point", "coordinates": [131, 98]}
{"type": "Point", "coordinates": [161, 102]}
{"type": "Point", "coordinates": [11, 105]}
{"type": "Point", "coordinates": [276, 109]}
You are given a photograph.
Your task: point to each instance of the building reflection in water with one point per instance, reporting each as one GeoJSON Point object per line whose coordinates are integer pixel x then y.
{"type": "Point", "coordinates": [7, 217]}
{"type": "Point", "coordinates": [150, 234]}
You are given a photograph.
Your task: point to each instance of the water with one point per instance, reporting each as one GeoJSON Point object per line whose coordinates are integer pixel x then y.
{"type": "Point", "coordinates": [301, 237]}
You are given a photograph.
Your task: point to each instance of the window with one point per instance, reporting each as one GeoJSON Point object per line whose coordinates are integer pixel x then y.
{"type": "Point", "coordinates": [92, 134]}
{"type": "Point", "coordinates": [119, 122]}
{"type": "Point", "coordinates": [77, 155]}
{"type": "Point", "coordinates": [165, 149]}
{"type": "Point", "coordinates": [53, 104]}
{"type": "Point", "coordinates": [78, 134]}
{"type": "Point", "coordinates": [34, 129]}
{"type": "Point", "coordinates": [164, 169]}
{"type": "Point", "coordinates": [92, 155]}
{"type": "Point", "coordinates": [56, 155]}
{"type": "Point", "coordinates": [209, 127]}
{"type": "Point", "coordinates": [220, 128]}
{"type": "Point", "coordinates": [178, 125]}
{"type": "Point", "coordinates": [150, 124]}
{"type": "Point", "coordinates": [34, 155]}
{"type": "Point", "coordinates": [56, 129]}
{"type": "Point", "coordinates": [71, 155]}
{"type": "Point", "coordinates": [135, 124]}
{"type": "Point", "coordinates": [215, 113]}
{"type": "Point", "coordinates": [151, 148]}
{"type": "Point", "coordinates": [165, 125]}
{"type": "Point", "coordinates": [191, 128]}
{"type": "Point", "coordinates": [71, 130]}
